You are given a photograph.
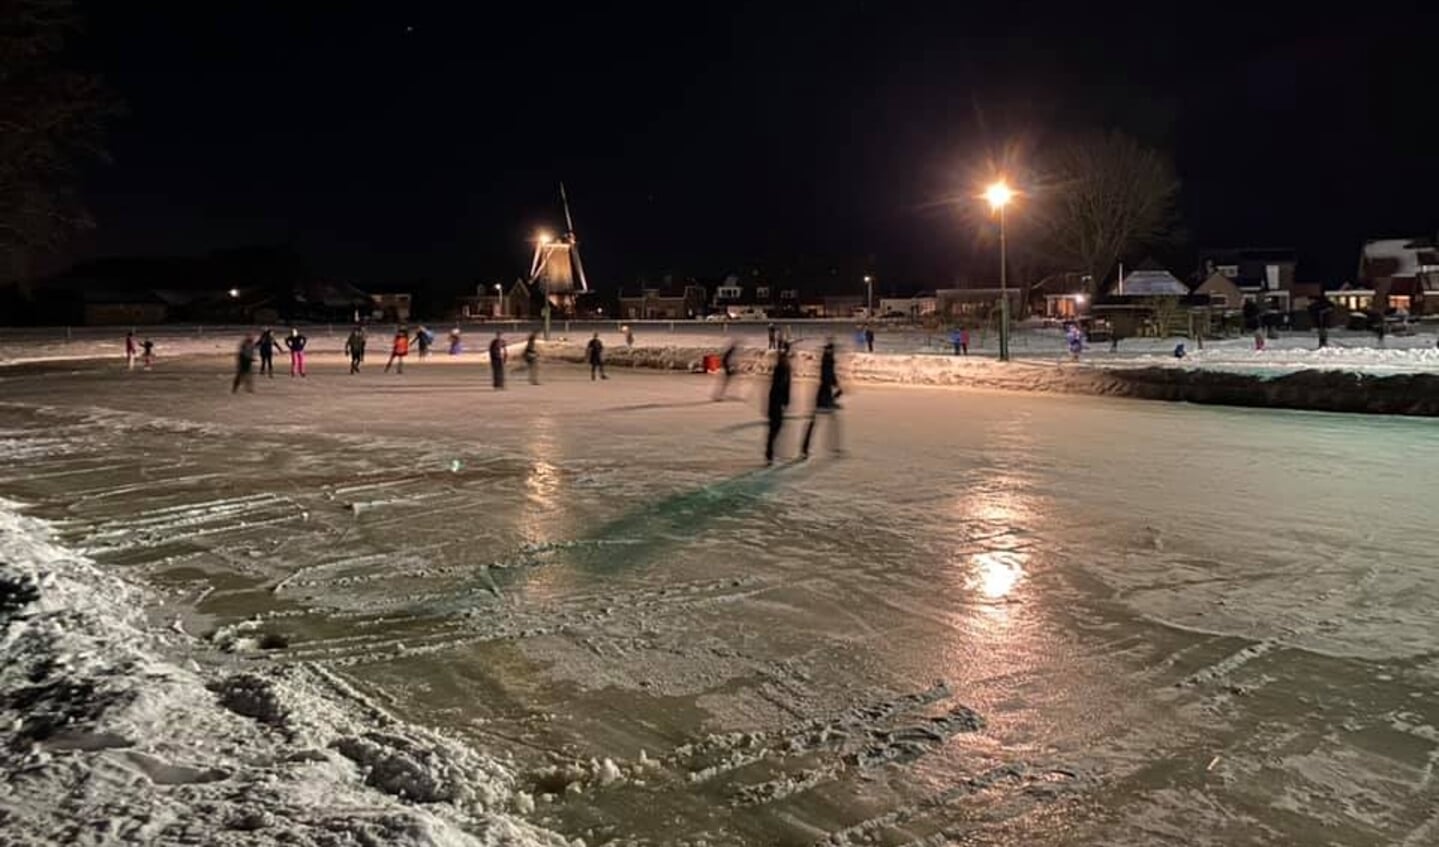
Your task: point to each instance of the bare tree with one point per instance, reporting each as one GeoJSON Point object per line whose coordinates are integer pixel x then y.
{"type": "Point", "coordinates": [1103, 197]}
{"type": "Point", "coordinates": [50, 124]}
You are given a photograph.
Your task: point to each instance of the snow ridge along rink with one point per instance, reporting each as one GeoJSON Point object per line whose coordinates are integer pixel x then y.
{"type": "Point", "coordinates": [111, 735]}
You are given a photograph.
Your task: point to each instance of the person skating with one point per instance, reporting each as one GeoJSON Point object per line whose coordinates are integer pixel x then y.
{"type": "Point", "coordinates": [629, 337]}
{"type": "Point", "coordinates": [499, 353]}
{"type": "Point", "coordinates": [130, 350]}
{"type": "Point", "coordinates": [778, 399]}
{"type": "Point", "coordinates": [455, 345]}
{"type": "Point", "coordinates": [964, 341]}
{"type": "Point", "coordinates": [773, 338]}
{"type": "Point", "coordinates": [245, 365]}
{"type": "Point", "coordinates": [399, 349]}
{"type": "Point", "coordinates": [1075, 342]}
{"type": "Point", "coordinates": [423, 338]}
{"type": "Point", "coordinates": [147, 355]}
{"type": "Point", "coordinates": [295, 343]}
{"type": "Point", "coordinates": [726, 371]}
{"type": "Point", "coordinates": [824, 401]}
{"type": "Point", "coordinates": [532, 358]}
{"type": "Point", "coordinates": [355, 347]}
{"type": "Point", "coordinates": [595, 353]}
{"type": "Point", "coordinates": [869, 339]}
{"type": "Point", "coordinates": [267, 346]}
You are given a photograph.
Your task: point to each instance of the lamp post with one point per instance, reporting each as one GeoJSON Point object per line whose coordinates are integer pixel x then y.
{"type": "Point", "coordinates": [499, 300]}
{"type": "Point", "coordinates": [541, 240]}
{"type": "Point", "coordinates": [999, 195]}
{"type": "Point", "coordinates": [869, 297]}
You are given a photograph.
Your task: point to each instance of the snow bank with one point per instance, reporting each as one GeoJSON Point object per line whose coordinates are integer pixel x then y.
{"type": "Point", "coordinates": [106, 736]}
{"type": "Point", "coordinates": [1328, 390]}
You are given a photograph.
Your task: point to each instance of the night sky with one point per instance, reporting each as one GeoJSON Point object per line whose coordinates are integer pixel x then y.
{"type": "Point", "coordinates": [395, 142]}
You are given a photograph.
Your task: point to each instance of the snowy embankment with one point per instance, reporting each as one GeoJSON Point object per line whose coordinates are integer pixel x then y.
{"type": "Point", "coordinates": [1404, 391]}
{"type": "Point", "coordinates": [109, 735]}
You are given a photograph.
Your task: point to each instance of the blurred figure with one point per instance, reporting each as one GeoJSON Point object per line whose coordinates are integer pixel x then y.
{"type": "Point", "coordinates": [824, 401]}
{"type": "Point", "coordinates": [399, 349]}
{"type": "Point", "coordinates": [869, 339]}
{"type": "Point", "coordinates": [1259, 341]}
{"type": "Point", "coordinates": [245, 365]}
{"type": "Point", "coordinates": [964, 340]}
{"type": "Point", "coordinates": [532, 358]}
{"type": "Point", "coordinates": [147, 357]}
{"type": "Point", "coordinates": [778, 400]}
{"type": "Point", "coordinates": [595, 353]}
{"type": "Point", "coordinates": [773, 338]}
{"type": "Point", "coordinates": [268, 345]}
{"type": "Point", "coordinates": [130, 350]}
{"type": "Point", "coordinates": [499, 353]}
{"type": "Point", "coordinates": [296, 345]}
{"type": "Point", "coordinates": [726, 371]}
{"type": "Point", "coordinates": [1179, 350]}
{"type": "Point", "coordinates": [423, 339]}
{"type": "Point", "coordinates": [455, 345]}
{"type": "Point", "coordinates": [1075, 341]}
{"type": "Point", "coordinates": [355, 347]}
{"type": "Point", "coordinates": [629, 336]}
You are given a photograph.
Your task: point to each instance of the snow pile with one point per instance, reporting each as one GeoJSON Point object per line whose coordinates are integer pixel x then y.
{"type": "Point", "coordinates": [106, 738]}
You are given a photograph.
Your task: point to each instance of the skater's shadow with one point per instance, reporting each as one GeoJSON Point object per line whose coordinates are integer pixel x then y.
{"type": "Point", "coordinates": [648, 407]}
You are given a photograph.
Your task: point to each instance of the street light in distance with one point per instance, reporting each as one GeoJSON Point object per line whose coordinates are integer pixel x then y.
{"type": "Point", "coordinates": [999, 195]}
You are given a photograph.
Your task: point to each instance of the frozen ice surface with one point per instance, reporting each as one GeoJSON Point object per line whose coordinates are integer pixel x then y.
{"type": "Point", "coordinates": [585, 607]}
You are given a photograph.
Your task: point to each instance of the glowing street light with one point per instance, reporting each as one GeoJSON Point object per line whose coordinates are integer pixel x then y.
{"type": "Point", "coordinates": [234, 293]}
{"type": "Point", "coordinates": [499, 300]}
{"type": "Point", "coordinates": [543, 237]}
{"type": "Point", "coordinates": [869, 297]}
{"type": "Point", "coordinates": [999, 196]}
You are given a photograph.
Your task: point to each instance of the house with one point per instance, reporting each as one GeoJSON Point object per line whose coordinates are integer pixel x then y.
{"type": "Point", "coordinates": [390, 307]}
{"type": "Point", "coordinates": [121, 308]}
{"type": "Point", "coordinates": [1223, 291]}
{"type": "Point", "coordinates": [921, 305]}
{"type": "Point", "coordinates": [1264, 275]}
{"type": "Point", "coordinates": [491, 301]}
{"type": "Point", "coordinates": [1403, 273]}
{"type": "Point", "coordinates": [977, 303]}
{"type": "Point", "coordinates": [669, 301]}
{"type": "Point", "coordinates": [1060, 296]}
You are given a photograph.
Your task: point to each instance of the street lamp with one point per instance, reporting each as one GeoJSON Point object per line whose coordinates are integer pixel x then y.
{"type": "Point", "coordinates": [499, 300]}
{"type": "Point", "coordinates": [234, 293]}
{"type": "Point", "coordinates": [869, 297]}
{"type": "Point", "coordinates": [999, 194]}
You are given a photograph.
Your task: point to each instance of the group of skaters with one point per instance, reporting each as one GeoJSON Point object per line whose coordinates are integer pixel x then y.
{"type": "Point", "coordinates": [138, 351]}
{"type": "Point", "coordinates": [266, 345]}
{"type": "Point", "coordinates": [825, 401]}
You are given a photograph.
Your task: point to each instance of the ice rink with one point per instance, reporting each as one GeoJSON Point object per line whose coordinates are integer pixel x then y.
{"type": "Point", "coordinates": [994, 619]}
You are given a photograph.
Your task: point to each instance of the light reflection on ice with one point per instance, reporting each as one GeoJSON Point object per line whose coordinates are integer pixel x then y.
{"type": "Point", "coordinates": [996, 574]}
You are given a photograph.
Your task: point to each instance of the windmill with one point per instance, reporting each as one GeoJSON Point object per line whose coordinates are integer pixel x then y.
{"type": "Point", "coordinates": [556, 271]}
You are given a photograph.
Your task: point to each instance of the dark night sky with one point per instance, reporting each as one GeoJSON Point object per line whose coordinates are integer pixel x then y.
{"type": "Point", "coordinates": [694, 137]}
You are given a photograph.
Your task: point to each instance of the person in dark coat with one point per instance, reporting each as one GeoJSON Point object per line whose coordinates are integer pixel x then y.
{"type": "Point", "coordinates": [267, 346]}
{"type": "Point", "coordinates": [773, 338]}
{"type": "Point", "coordinates": [499, 353]}
{"type": "Point", "coordinates": [726, 371]}
{"type": "Point", "coordinates": [245, 366]}
{"type": "Point", "coordinates": [778, 400]}
{"type": "Point", "coordinates": [296, 344]}
{"type": "Point", "coordinates": [869, 339]}
{"type": "Point", "coordinates": [532, 358]}
{"type": "Point", "coordinates": [355, 346]}
{"type": "Point", "coordinates": [824, 401]}
{"type": "Point", "coordinates": [595, 353]}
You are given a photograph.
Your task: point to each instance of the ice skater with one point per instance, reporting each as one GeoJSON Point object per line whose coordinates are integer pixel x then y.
{"type": "Point", "coordinates": [147, 353]}
{"type": "Point", "coordinates": [778, 399]}
{"type": "Point", "coordinates": [499, 354]}
{"type": "Point", "coordinates": [824, 402]}
{"type": "Point", "coordinates": [130, 350]}
{"type": "Point", "coordinates": [455, 346]}
{"type": "Point", "coordinates": [629, 337]}
{"type": "Point", "coordinates": [267, 346]}
{"type": "Point", "coordinates": [423, 339]}
{"type": "Point", "coordinates": [726, 372]}
{"type": "Point", "coordinates": [296, 345]}
{"type": "Point", "coordinates": [595, 353]}
{"type": "Point", "coordinates": [1259, 341]}
{"type": "Point", "coordinates": [869, 339]}
{"type": "Point", "coordinates": [1075, 341]}
{"type": "Point", "coordinates": [773, 338]}
{"type": "Point", "coordinates": [355, 347]}
{"type": "Point", "coordinates": [964, 340]}
{"type": "Point", "coordinates": [245, 365]}
{"type": "Point", "coordinates": [532, 358]}
{"type": "Point", "coordinates": [399, 349]}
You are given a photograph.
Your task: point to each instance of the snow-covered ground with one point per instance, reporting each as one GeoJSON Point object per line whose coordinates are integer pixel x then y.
{"type": "Point", "coordinates": [382, 608]}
